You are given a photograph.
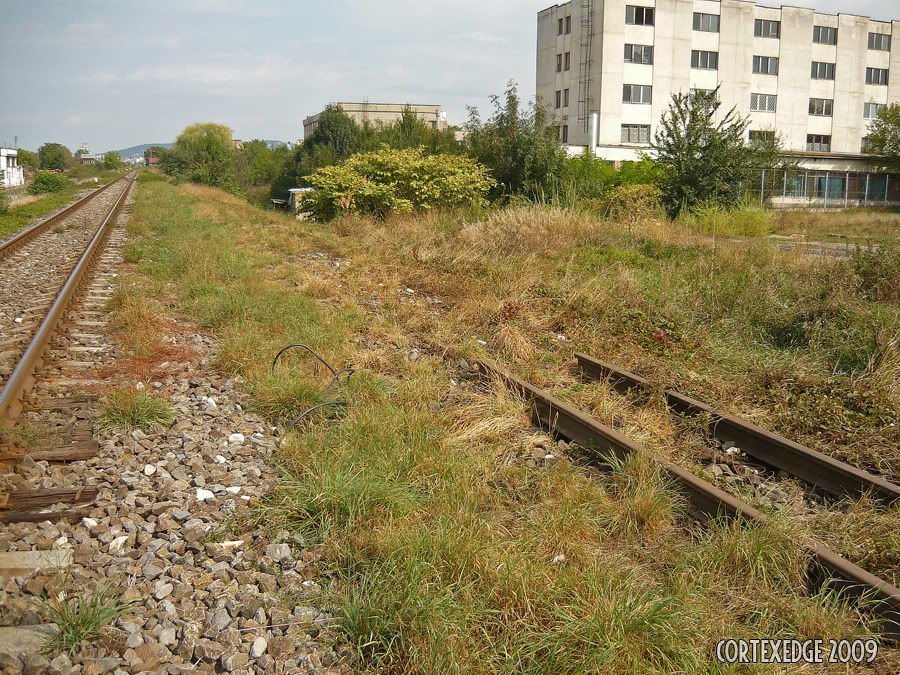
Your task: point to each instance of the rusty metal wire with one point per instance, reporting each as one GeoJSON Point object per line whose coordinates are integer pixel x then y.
{"type": "Point", "coordinates": [335, 380]}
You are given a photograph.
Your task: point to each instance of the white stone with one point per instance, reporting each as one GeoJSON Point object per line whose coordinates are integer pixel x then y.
{"type": "Point", "coordinates": [149, 470]}
{"type": "Point", "coordinates": [236, 438]}
{"type": "Point", "coordinates": [117, 544]}
{"type": "Point", "coordinates": [260, 645]}
{"type": "Point", "coordinates": [559, 559]}
{"type": "Point", "coordinates": [220, 459]}
{"type": "Point", "coordinates": [89, 523]}
{"type": "Point", "coordinates": [19, 320]}
{"type": "Point", "coordinates": [139, 386]}
{"type": "Point", "coordinates": [233, 490]}
{"type": "Point", "coordinates": [203, 495]}
{"type": "Point", "coordinates": [59, 543]}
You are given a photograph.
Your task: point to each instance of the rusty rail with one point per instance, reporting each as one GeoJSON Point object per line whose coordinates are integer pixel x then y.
{"type": "Point", "coordinates": [30, 233]}
{"type": "Point", "coordinates": [23, 376]}
{"type": "Point", "coordinates": [769, 448]}
{"type": "Point", "coordinates": [707, 501]}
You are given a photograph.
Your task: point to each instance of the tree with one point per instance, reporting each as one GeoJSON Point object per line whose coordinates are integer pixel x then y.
{"type": "Point", "coordinates": [28, 158]}
{"type": "Point", "coordinates": [520, 147]}
{"type": "Point", "coordinates": [112, 160]}
{"type": "Point", "coordinates": [154, 151]}
{"type": "Point", "coordinates": [54, 156]}
{"type": "Point", "coordinates": [202, 152]}
{"type": "Point", "coordinates": [704, 160]}
{"type": "Point", "coordinates": [884, 137]}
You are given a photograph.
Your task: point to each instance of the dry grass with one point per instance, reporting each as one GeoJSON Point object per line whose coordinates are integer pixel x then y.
{"type": "Point", "coordinates": [853, 225]}
{"type": "Point", "coordinates": [450, 549]}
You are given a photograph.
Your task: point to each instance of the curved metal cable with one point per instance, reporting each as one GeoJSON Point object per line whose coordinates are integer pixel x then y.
{"type": "Point", "coordinates": [336, 379]}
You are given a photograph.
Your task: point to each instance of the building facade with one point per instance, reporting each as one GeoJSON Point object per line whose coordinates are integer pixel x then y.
{"type": "Point", "coordinates": [608, 68]}
{"type": "Point", "coordinates": [11, 174]}
{"type": "Point", "coordinates": [383, 113]}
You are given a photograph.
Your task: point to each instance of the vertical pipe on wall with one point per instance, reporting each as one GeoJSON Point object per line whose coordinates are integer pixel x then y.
{"type": "Point", "coordinates": [595, 131]}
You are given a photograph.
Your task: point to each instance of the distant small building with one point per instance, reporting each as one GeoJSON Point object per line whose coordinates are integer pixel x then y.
{"type": "Point", "coordinates": [153, 161]}
{"type": "Point", "coordinates": [88, 159]}
{"type": "Point", "coordinates": [383, 113]}
{"type": "Point", "coordinates": [238, 143]}
{"type": "Point", "coordinates": [11, 174]}
{"type": "Point", "coordinates": [295, 195]}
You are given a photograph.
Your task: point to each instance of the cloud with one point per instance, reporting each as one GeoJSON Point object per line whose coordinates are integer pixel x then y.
{"type": "Point", "coordinates": [226, 7]}
{"type": "Point", "coordinates": [481, 36]}
{"type": "Point", "coordinates": [264, 70]}
{"type": "Point", "coordinates": [95, 26]}
{"type": "Point", "coordinates": [73, 121]}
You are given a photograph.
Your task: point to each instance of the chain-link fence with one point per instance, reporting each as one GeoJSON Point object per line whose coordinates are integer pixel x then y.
{"type": "Point", "coordinates": [779, 188]}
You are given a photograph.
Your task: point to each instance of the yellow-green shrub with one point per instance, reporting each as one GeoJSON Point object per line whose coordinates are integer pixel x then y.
{"type": "Point", "coordinates": [377, 183]}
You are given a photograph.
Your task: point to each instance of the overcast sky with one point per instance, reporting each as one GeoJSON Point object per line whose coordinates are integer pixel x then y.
{"type": "Point", "coordinates": [116, 73]}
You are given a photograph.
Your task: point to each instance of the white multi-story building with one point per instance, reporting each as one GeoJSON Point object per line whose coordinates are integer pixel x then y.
{"type": "Point", "coordinates": [11, 174]}
{"type": "Point", "coordinates": [815, 79]}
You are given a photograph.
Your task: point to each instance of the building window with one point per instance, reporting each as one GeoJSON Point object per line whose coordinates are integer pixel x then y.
{"type": "Point", "coordinates": [706, 22]}
{"type": "Point", "coordinates": [880, 41]}
{"type": "Point", "coordinates": [764, 138]}
{"type": "Point", "coordinates": [765, 65]}
{"type": "Point", "coordinates": [568, 25]}
{"type": "Point", "coordinates": [821, 107]}
{"type": "Point", "coordinates": [704, 60]}
{"type": "Point", "coordinates": [558, 98]}
{"type": "Point", "coordinates": [636, 93]}
{"type": "Point", "coordinates": [870, 110]}
{"type": "Point", "coordinates": [763, 102]}
{"type": "Point", "coordinates": [635, 133]}
{"type": "Point", "coordinates": [825, 35]}
{"type": "Point", "coordinates": [864, 143]}
{"type": "Point", "coordinates": [568, 60]}
{"type": "Point", "coordinates": [767, 29]}
{"type": "Point", "coordinates": [559, 28]}
{"type": "Point", "coordinates": [559, 63]}
{"type": "Point", "coordinates": [638, 16]}
{"type": "Point", "coordinates": [818, 143]}
{"type": "Point", "coordinates": [566, 98]}
{"type": "Point", "coordinates": [822, 70]}
{"type": "Point", "coordinates": [565, 133]}
{"type": "Point", "coordinates": [876, 76]}
{"type": "Point", "coordinates": [639, 54]}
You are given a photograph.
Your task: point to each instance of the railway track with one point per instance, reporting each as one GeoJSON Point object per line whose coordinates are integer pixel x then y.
{"type": "Point", "coordinates": [48, 358]}
{"type": "Point", "coordinates": [707, 501]}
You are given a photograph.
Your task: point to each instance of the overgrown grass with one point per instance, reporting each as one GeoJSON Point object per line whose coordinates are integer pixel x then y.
{"type": "Point", "coordinates": [126, 410]}
{"type": "Point", "coordinates": [18, 217]}
{"type": "Point", "coordinates": [80, 618]}
{"type": "Point", "coordinates": [449, 550]}
{"type": "Point", "coordinates": [850, 225]}
{"type": "Point", "coordinates": [748, 220]}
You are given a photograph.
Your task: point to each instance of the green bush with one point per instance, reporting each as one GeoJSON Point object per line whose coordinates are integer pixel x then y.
{"type": "Point", "coordinates": [746, 220]}
{"type": "Point", "coordinates": [377, 183]}
{"type": "Point", "coordinates": [47, 182]}
{"type": "Point", "coordinates": [878, 269]}
{"type": "Point", "coordinates": [4, 202]}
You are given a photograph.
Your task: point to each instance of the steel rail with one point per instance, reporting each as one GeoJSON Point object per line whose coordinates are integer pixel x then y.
{"type": "Point", "coordinates": [23, 376]}
{"type": "Point", "coordinates": [26, 235]}
{"type": "Point", "coordinates": [769, 448]}
{"type": "Point", "coordinates": [707, 501]}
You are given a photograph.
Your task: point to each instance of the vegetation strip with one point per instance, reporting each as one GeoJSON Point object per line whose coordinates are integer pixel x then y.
{"type": "Point", "coordinates": [770, 448]}
{"type": "Point", "coordinates": [708, 501]}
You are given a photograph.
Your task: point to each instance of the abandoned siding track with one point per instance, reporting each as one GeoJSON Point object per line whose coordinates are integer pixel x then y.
{"type": "Point", "coordinates": [60, 340]}
{"type": "Point", "coordinates": [771, 449]}
{"type": "Point", "coordinates": [707, 501]}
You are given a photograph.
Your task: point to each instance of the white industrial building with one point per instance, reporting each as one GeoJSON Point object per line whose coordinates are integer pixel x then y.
{"type": "Point", "coordinates": [11, 174]}
{"type": "Point", "coordinates": [815, 79]}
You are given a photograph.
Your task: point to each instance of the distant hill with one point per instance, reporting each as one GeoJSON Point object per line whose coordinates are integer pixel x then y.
{"type": "Point", "coordinates": [139, 149]}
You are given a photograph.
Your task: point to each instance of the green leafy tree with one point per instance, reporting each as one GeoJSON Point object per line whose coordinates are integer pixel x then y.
{"type": "Point", "coordinates": [54, 156]}
{"type": "Point", "coordinates": [28, 158]}
{"type": "Point", "coordinates": [519, 145]}
{"type": "Point", "coordinates": [884, 137]}
{"type": "Point", "coordinates": [202, 153]}
{"type": "Point", "coordinates": [707, 162]}
{"type": "Point", "coordinates": [154, 151]}
{"type": "Point", "coordinates": [378, 183]}
{"type": "Point", "coordinates": [112, 160]}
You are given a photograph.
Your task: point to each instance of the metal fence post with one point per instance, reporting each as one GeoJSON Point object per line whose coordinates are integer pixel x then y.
{"type": "Point", "coordinates": [806, 186]}
{"type": "Point", "coordinates": [762, 187]}
{"type": "Point", "coordinates": [887, 183]}
{"type": "Point", "coordinates": [825, 204]}
{"type": "Point", "coordinates": [847, 191]}
{"type": "Point", "coordinates": [866, 196]}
